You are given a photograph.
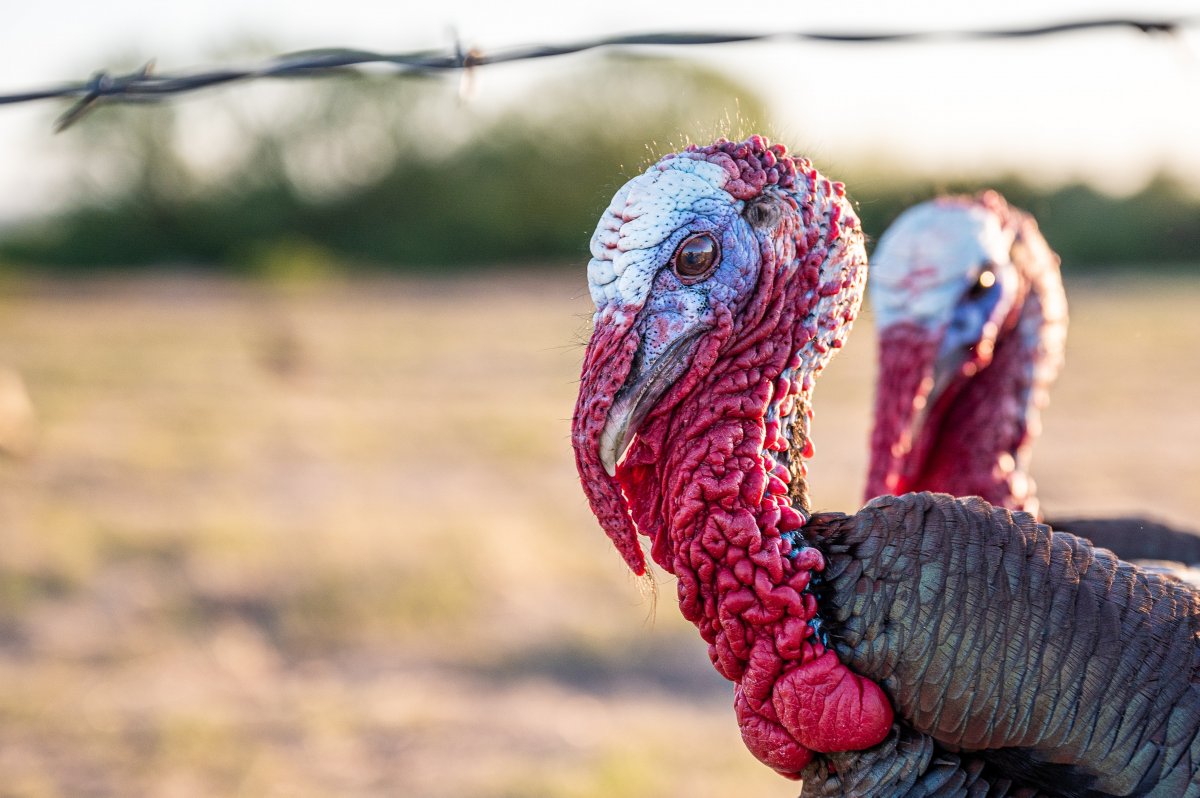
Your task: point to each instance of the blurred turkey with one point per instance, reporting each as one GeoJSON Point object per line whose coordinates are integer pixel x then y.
{"type": "Point", "coordinates": [924, 646]}
{"type": "Point", "coordinates": [972, 322]}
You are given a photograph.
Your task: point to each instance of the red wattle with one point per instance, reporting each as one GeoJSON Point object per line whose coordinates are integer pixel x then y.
{"type": "Point", "coordinates": [770, 743]}
{"type": "Point", "coordinates": [984, 435]}
{"type": "Point", "coordinates": [827, 707]}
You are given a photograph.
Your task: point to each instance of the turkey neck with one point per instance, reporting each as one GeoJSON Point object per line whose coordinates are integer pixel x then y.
{"type": "Point", "coordinates": [725, 494]}
{"type": "Point", "coordinates": [719, 481]}
{"type": "Point", "coordinates": [978, 438]}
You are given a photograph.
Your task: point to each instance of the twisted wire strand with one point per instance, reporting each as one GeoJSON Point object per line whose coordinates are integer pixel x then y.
{"type": "Point", "coordinates": [144, 85]}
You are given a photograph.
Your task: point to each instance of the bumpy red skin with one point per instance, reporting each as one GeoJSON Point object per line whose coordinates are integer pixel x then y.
{"type": "Point", "coordinates": [977, 437]}
{"type": "Point", "coordinates": [703, 479]}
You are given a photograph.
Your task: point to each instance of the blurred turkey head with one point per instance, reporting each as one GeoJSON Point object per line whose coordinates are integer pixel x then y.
{"type": "Point", "coordinates": [971, 314]}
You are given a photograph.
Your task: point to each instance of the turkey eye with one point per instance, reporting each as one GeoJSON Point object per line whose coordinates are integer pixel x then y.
{"type": "Point", "coordinates": [696, 259]}
{"type": "Point", "coordinates": [986, 279]}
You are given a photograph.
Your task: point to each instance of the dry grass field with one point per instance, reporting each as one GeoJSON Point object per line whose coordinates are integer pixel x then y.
{"type": "Point", "coordinates": [327, 539]}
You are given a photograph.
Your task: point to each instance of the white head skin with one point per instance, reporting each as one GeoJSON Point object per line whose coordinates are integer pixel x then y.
{"type": "Point", "coordinates": [931, 255]}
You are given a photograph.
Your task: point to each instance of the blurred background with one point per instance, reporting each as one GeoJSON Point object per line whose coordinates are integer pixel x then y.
{"type": "Point", "coordinates": [287, 502]}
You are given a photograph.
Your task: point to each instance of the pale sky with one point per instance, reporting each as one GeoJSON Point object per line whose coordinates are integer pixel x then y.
{"type": "Point", "coordinates": [1110, 107]}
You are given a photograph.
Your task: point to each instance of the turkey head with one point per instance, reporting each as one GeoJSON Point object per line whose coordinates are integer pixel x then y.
{"type": "Point", "coordinates": [724, 277]}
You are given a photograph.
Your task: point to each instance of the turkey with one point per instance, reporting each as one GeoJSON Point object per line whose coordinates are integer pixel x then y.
{"type": "Point", "coordinates": [972, 321]}
{"type": "Point", "coordinates": [923, 646]}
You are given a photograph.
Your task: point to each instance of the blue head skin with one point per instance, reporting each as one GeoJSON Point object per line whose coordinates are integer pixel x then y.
{"type": "Point", "coordinates": [674, 255]}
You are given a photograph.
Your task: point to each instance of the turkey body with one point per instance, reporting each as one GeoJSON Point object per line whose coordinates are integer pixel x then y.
{"type": "Point", "coordinates": [1136, 538]}
{"type": "Point", "coordinates": [924, 646]}
{"type": "Point", "coordinates": [1058, 665]}
{"type": "Point", "coordinates": [973, 320]}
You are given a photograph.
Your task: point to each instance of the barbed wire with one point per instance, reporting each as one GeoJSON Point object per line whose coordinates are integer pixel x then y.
{"type": "Point", "coordinates": [144, 85]}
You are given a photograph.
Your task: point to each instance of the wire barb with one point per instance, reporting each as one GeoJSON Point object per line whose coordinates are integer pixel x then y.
{"type": "Point", "coordinates": [100, 89]}
{"type": "Point", "coordinates": [143, 86]}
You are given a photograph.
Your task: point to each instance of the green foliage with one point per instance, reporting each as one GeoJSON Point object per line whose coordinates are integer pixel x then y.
{"type": "Point", "coordinates": [382, 172]}
{"type": "Point", "coordinates": [1159, 225]}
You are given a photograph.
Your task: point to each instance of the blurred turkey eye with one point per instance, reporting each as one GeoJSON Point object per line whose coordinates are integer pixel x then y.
{"type": "Point", "coordinates": [696, 259]}
{"type": "Point", "coordinates": [986, 279]}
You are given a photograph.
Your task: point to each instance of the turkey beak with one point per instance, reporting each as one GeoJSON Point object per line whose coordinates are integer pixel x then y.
{"type": "Point", "coordinates": [969, 338]}
{"type": "Point", "coordinates": [948, 367]}
{"type": "Point", "coordinates": [645, 385]}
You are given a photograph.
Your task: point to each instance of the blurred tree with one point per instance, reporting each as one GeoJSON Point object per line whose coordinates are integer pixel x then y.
{"type": "Point", "coordinates": [380, 171]}
{"type": "Point", "coordinates": [1159, 225]}
{"type": "Point", "coordinates": [375, 169]}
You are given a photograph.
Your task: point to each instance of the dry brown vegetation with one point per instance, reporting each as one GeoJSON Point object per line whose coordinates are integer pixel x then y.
{"type": "Point", "coordinates": [327, 540]}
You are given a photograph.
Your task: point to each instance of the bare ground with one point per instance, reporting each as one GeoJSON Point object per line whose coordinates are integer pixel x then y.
{"type": "Point", "coordinates": [326, 539]}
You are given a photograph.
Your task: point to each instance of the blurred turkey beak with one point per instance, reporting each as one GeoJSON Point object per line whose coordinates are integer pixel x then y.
{"type": "Point", "coordinates": [918, 369]}
{"type": "Point", "coordinates": [946, 369]}
{"type": "Point", "coordinates": [969, 339]}
{"type": "Point", "coordinates": [645, 385]}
